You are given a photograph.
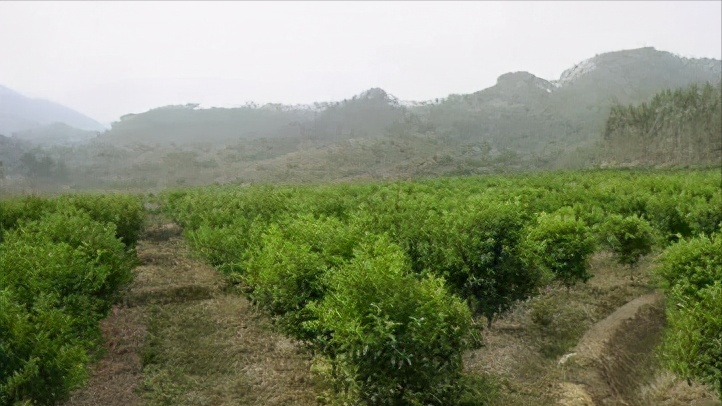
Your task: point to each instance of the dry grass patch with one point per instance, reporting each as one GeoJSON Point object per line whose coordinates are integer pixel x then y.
{"type": "Point", "coordinates": [115, 379]}
{"type": "Point", "coordinates": [182, 336]}
{"type": "Point", "coordinates": [221, 352]}
{"type": "Point", "coordinates": [521, 351]}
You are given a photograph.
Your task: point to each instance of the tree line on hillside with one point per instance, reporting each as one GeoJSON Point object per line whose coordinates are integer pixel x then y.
{"type": "Point", "coordinates": [681, 126]}
{"type": "Point", "coordinates": [368, 114]}
{"type": "Point", "coordinates": [523, 123]}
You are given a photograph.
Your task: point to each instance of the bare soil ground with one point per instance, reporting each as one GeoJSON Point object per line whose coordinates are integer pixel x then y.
{"type": "Point", "coordinates": [183, 336]}
{"type": "Point", "coordinates": [614, 363]}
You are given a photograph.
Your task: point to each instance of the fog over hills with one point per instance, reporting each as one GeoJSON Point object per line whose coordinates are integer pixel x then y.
{"type": "Point", "coordinates": [523, 122]}
{"type": "Point", "coordinates": [569, 109]}
{"type": "Point", "coordinates": [19, 113]}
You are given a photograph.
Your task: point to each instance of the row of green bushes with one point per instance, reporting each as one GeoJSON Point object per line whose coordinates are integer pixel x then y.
{"type": "Point", "coordinates": [63, 262]}
{"type": "Point", "coordinates": [348, 268]}
{"type": "Point", "coordinates": [124, 211]}
{"type": "Point", "coordinates": [677, 203]}
{"type": "Point", "coordinates": [387, 336]}
{"type": "Point", "coordinates": [691, 274]}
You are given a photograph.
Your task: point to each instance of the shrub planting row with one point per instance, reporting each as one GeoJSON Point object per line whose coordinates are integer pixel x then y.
{"type": "Point", "coordinates": [63, 262]}
{"type": "Point", "coordinates": [383, 280]}
{"type": "Point", "coordinates": [691, 274]}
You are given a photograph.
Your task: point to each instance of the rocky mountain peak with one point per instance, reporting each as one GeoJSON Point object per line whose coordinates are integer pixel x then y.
{"type": "Point", "coordinates": [515, 81]}
{"type": "Point", "coordinates": [375, 93]}
{"type": "Point", "coordinates": [647, 60]}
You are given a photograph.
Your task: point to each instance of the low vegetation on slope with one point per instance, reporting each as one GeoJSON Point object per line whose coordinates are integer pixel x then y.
{"type": "Point", "coordinates": [522, 123]}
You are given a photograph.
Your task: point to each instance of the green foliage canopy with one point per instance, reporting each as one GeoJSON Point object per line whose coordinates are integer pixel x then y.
{"type": "Point", "coordinates": [561, 245]}
{"type": "Point", "coordinates": [691, 273]}
{"type": "Point", "coordinates": [399, 339]}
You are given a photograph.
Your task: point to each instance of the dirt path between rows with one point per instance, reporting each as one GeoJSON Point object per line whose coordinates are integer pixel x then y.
{"type": "Point", "coordinates": [615, 363]}
{"type": "Point", "coordinates": [614, 358]}
{"type": "Point", "coordinates": [182, 336]}
{"type": "Point", "coordinates": [594, 341]}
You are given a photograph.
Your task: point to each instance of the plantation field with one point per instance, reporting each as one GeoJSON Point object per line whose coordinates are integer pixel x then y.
{"type": "Point", "coordinates": [387, 283]}
{"type": "Point", "coordinates": [468, 291]}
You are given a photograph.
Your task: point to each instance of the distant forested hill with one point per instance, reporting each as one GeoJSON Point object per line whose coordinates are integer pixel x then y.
{"type": "Point", "coordinates": [678, 127]}
{"type": "Point", "coordinates": [20, 113]}
{"type": "Point", "coordinates": [531, 115]}
{"type": "Point", "coordinates": [189, 124]}
{"type": "Point", "coordinates": [367, 114]}
{"type": "Point", "coordinates": [602, 111]}
{"type": "Point", "coordinates": [521, 114]}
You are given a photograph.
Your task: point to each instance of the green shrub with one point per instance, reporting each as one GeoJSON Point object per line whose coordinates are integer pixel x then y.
{"type": "Point", "coordinates": [693, 263]}
{"type": "Point", "coordinates": [221, 246]}
{"type": "Point", "coordinates": [395, 340]}
{"type": "Point", "coordinates": [481, 258]}
{"type": "Point", "coordinates": [561, 245]}
{"type": "Point", "coordinates": [706, 216]}
{"type": "Point", "coordinates": [591, 214]}
{"type": "Point", "coordinates": [41, 358]}
{"type": "Point", "coordinates": [59, 276]}
{"type": "Point", "coordinates": [691, 274]}
{"type": "Point", "coordinates": [17, 210]}
{"type": "Point", "coordinates": [692, 345]}
{"type": "Point", "coordinates": [629, 238]}
{"type": "Point", "coordinates": [636, 204]}
{"type": "Point", "coordinates": [83, 278]}
{"type": "Point", "coordinates": [105, 263]}
{"type": "Point", "coordinates": [669, 218]}
{"type": "Point", "coordinates": [285, 268]}
{"type": "Point", "coordinates": [125, 211]}
{"type": "Point", "coordinates": [284, 275]}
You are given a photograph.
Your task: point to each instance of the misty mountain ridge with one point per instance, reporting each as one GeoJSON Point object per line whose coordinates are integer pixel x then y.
{"type": "Point", "coordinates": [20, 113]}
{"type": "Point", "coordinates": [522, 122]}
{"type": "Point", "coordinates": [643, 65]}
{"type": "Point", "coordinates": [577, 101]}
{"type": "Point", "coordinates": [56, 134]}
{"type": "Point", "coordinates": [627, 108]}
{"type": "Point", "coordinates": [627, 76]}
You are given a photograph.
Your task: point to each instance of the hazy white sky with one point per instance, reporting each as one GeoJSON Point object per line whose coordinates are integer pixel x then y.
{"type": "Point", "coordinates": [107, 59]}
